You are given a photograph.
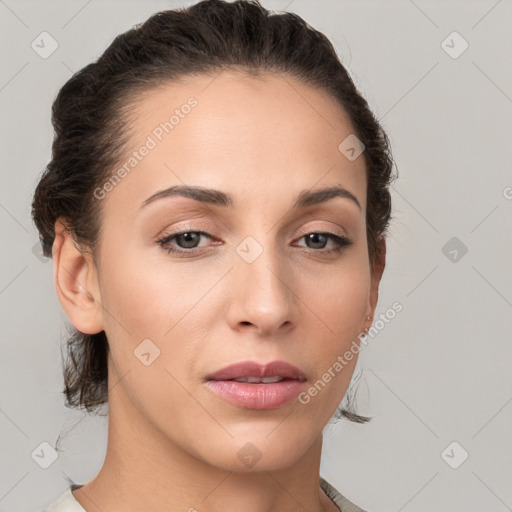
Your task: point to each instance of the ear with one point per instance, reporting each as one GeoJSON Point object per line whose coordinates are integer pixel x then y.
{"type": "Point", "coordinates": [76, 282]}
{"type": "Point", "coordinates": [377, 271]}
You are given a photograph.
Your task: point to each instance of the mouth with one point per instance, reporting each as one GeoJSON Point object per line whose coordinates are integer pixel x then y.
{"type": "Point", "coordinates": [259, 380]}
{"type": "Point", "coordinates": [251, 385]}
{"type": "Point", "coordinates": [251, 371]}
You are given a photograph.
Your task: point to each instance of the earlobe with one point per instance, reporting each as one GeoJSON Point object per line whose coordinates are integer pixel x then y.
{"type": "Point", "coordinates": [76, 282]}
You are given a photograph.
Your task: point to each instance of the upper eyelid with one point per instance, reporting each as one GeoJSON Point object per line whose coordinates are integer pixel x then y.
{"type": "Point", "coordinates": [178, 232]}
{"type": "Point", "coordinates": [203, 231]}
{"type": "Point", "coordinates": [193, 227]}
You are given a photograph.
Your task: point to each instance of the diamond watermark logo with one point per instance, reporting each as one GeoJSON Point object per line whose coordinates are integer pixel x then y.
{"type": "Point", "coordinates": [454, 455]}
{"type": "Point", "coordinates": [37, 251]}
{"type": "Point", "coordinates": [454, 45]}
{"type": "Point", "coordinates": [249, 455]}
{"type": "Point", "coordinates": [146, 352]}
{"type": "Point", "coordinates": [454, 249]}
{"type": "Point", "coordinates": [351, 147]}
{"type": "Point", "coordinates": [249, 250]}
{"type": "Point", "coordinates": [44, 455]}
{"type": "Point", "coordinates": [44, 45]}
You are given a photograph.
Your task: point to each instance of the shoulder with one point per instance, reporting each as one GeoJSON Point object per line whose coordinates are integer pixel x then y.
{"type": "Point", "coordinates": [66, 503]}
{"type": "Point", "coordinates": [343, 503]}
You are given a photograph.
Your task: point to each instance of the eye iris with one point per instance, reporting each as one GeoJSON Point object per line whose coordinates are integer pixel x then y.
{"type": "Point", "coordinates": [188, 238]}
{"type": "Point", "coordinates": [313, 237]}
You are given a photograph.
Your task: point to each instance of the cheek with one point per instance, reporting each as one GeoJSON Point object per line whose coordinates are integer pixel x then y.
{"type": "Point", "coordinates": [343, 298]}
{"type": "Point", "coordinates": [151, 311]}
{"type": "Point", "coordinates": [340, 305]}
{"type": "Point", "coordinates": [148, 299]}
{"type": "Point", "coordinates": [167, 303]}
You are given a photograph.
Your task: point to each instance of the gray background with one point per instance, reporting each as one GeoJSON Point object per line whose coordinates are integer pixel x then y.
{"type": "Point", "coordinates": [439, 372]}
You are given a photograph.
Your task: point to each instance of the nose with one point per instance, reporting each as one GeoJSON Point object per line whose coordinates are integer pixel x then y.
{"type": "Point", "coordinates": [261, 296]}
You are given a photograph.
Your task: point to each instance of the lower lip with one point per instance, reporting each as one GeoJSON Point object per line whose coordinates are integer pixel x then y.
{"type": "Point", "coordinates": [257, 396]}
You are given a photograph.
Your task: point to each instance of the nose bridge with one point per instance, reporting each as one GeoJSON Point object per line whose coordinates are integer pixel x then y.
{"type": "Point", "coordinates": [261, 295]}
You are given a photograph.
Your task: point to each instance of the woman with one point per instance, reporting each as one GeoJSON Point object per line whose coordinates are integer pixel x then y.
{"type": "Point", "coordinates": [216, 208]}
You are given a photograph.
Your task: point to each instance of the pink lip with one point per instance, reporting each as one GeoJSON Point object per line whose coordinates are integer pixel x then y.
{"type": "Point", "coordinates": [253, 369]}
{"type": "Point", "coordinates": [257, 395]}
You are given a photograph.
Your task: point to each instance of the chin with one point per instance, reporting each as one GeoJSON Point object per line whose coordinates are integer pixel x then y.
{"type": "Point", "coordinates": [258, 451]}
{"type": "Point", "coordinates": [275, 462]}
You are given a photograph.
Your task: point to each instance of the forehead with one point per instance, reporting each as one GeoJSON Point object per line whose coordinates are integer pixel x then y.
{"type": "Point", "coordinates": [240, 133]}
{"type": "Point", "coordinates": [234, 99]}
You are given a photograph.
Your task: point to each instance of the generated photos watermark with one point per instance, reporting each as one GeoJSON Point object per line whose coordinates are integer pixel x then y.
{"type": "Point", "coordinates": [152, 140]}
{"type": "Point", "coordinates": [355, 347]}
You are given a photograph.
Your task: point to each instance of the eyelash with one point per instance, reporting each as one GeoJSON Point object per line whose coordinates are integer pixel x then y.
{"type": "Point", "coordinates": [341, 241]}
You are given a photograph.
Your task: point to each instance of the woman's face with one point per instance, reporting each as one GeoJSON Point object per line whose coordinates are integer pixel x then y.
{"type": "Point", "coordinates": [253, 287]}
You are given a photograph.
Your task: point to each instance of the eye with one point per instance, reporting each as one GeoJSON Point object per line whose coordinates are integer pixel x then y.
{"type": "Point", "coordinates": [319, 240]}
{"type": "Point", "coordinates": [185, 239]}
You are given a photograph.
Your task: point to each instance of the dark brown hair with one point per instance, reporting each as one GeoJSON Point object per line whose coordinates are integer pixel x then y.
{"type": "Point", "coordinates": [91, 119]}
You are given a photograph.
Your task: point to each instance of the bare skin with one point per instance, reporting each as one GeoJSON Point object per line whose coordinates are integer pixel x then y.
{"type": "Point", "coordinates": [173, 443]}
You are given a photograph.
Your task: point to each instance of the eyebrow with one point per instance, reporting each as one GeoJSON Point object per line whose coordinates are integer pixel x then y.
{"type": "Point", "coordinates": [219, 198]}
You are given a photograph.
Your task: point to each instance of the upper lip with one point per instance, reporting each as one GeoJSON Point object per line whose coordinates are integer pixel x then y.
{"type": "Point", "coordinates": [254, 369]}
